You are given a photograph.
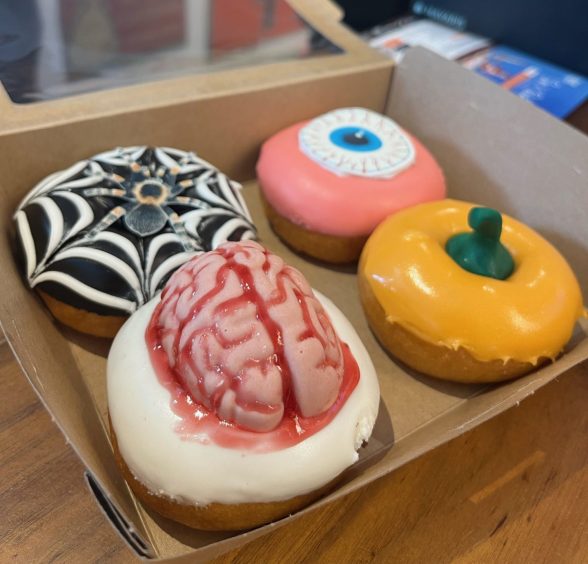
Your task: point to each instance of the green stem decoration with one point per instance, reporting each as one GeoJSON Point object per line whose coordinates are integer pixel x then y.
{"type": "Point", "coordinates": [480, 251]}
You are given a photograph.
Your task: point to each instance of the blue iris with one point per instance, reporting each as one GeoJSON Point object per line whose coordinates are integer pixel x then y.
{"type": "Point", "coordinates": [355, 138]}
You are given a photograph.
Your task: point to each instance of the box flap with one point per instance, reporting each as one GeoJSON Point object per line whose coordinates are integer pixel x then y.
{"type": "Point", "coordinates": [54, 373]}
{"type": "Point", "coordinates": [322, 15]}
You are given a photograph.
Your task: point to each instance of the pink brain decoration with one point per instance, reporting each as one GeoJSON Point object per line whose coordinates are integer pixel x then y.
{"type": "Point", "coordinates": [246, 337]}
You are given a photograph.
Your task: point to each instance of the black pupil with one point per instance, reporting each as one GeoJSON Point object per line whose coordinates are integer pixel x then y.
{"type": "Point", "coordinates": [356, 138]}
{"type": "Point", "coordinates": [153, 190]}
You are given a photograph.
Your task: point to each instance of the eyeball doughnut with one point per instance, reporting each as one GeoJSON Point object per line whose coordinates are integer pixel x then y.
{"type": "Point", "coordinates": [470, 306]}
{"type": "Point", "coordinates": [327, 183]}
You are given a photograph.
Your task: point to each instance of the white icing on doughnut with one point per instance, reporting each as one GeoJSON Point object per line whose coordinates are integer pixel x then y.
{"type": "Point", "coordinates": [190, 471]}
{"type": "Point", "coordinates": [87, 291]}
{"type": "Point", "coordinates": [26, 237]}
{"type": "Point", "coordinates": [357, 142]}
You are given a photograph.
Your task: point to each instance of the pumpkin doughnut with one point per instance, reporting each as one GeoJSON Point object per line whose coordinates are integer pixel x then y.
{"type": "Point", "coordinates": [469, 306]}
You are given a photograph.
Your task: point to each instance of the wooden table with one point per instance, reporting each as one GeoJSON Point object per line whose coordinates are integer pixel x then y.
{"type": "Point", "coordinates": [513, 490]}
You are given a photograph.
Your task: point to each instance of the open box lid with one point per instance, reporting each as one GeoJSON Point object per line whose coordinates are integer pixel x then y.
{"type": "Point", "coordinates": [321, 15]}
{"type": "Point", "coordinates": [494, 148]}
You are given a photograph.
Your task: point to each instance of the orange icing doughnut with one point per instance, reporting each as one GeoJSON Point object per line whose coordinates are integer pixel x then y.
{"type": "Point", "coordinates": [529, 315]}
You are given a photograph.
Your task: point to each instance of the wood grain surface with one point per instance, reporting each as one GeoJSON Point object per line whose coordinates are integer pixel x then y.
{"type": "Point", "coordinates": [513, 490]}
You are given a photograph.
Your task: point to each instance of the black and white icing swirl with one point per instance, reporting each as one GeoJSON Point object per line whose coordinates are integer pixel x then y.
{"type": "Point", "coordinates": [106, 234]}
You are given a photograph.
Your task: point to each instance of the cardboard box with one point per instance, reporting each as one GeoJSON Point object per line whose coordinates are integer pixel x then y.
{"type": "Point", "coordinates": [495, 149]}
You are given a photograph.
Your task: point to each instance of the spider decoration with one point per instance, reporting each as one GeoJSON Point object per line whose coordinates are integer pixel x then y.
{"type": "Point", "coordinates": [105, 234]}
{"type": "Point", "coordinates": [146, 195]}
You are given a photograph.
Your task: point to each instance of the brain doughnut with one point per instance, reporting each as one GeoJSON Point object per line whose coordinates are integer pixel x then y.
{"type": "Point", "coordinates": [246, 338]}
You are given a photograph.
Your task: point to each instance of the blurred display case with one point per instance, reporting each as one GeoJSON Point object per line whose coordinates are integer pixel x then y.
{"type": "Point", "coordinates": [55, 48]}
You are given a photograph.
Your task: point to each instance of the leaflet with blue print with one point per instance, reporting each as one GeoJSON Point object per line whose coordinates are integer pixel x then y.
{"type": "Point", "coordinates": [556, 90]}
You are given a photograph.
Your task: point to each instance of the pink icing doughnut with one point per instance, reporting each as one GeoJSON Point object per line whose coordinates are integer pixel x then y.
{"type": "Point", "coordinates": [342, 204]}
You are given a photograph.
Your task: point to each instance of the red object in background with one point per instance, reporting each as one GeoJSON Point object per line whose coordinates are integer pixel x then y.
{"type": "Point", "coordinates": [150, 25]}
{"type": "Point", "coordinates": [139, 25]}
{"type": "Point", "coordinates": [244, 22]}
{"type": "Point", "coordinates": [147, 25]}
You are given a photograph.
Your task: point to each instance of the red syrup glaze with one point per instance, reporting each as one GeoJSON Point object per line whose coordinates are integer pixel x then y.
{"type": "Point", "coordinates": [201, 424]}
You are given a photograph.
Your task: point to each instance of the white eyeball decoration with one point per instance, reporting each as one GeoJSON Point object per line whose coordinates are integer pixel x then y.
{"type": "Point", "coordinates": [357, 142]}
